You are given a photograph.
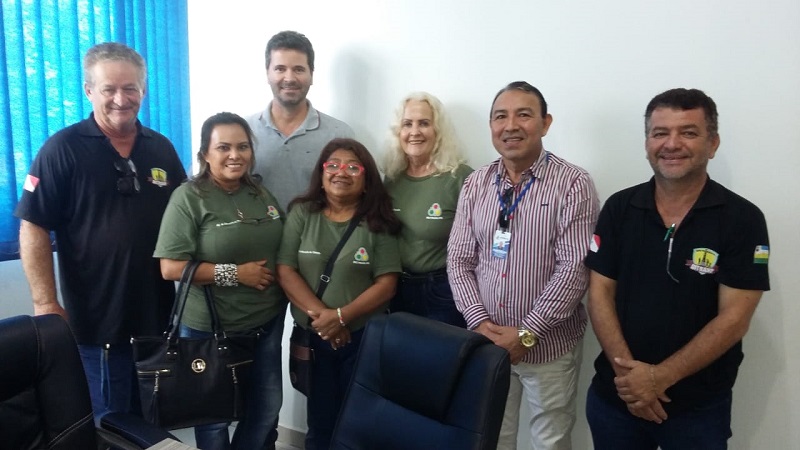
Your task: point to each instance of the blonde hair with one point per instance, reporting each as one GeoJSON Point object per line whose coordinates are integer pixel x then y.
{"type": "Point", "coordinates": [445, 156]}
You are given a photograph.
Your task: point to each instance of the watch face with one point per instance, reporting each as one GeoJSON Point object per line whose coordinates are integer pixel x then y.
{"type": "Point", "coordinates": [527, 339]}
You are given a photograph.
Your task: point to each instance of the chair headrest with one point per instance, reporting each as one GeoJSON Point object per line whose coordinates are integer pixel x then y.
{"type": "Point", "coordinates": [421, 361]}
{"type": "Point", "coordinates": [19, 351]}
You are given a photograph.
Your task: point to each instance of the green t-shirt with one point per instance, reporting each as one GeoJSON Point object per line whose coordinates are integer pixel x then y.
{"type": "Point", "coordinates": [308, 241]}
{"type": "Point", "coordinates": [206, 226]}
{"type": "Point", "coordinates": [426, 206]}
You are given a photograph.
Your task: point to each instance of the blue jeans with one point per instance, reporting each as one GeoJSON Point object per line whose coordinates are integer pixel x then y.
{"type": "Point", "coordinates": [331, 375]}
{"type": "Point", "coordinates": [112, 379]}
{"type": "Point", "coordinates": [427, 295]}
{"type": "Point", "coordinates": [706, 428]}
{"type": "Point", "coordinates": [258, 430]}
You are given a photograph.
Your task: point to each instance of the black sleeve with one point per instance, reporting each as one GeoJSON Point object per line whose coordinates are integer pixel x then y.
{"type": "Point", "coordinates": [46, 191]}
{"type": "Point", "coordinates": [744, 263]}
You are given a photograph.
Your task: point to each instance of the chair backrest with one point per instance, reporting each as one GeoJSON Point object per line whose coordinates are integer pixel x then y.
{"type": "Point", "coordinates": [44, 396]}
{"type": "Point", "coordinates": [422, 384]}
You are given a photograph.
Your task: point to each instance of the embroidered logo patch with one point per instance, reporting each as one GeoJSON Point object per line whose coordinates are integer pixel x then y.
{"type": "Point", "coordinates": [158, 177]}
{"type": "Point", "coordinates": [435, 212]}
{"type": "Point", "coordinates": [30, 183]}
{"type": "Point", "coordinates": [594, 244]}
{"type": "Point", "coordinates": [273, 212]}
{"type": "Point", "coordinates": [361, 256]}
{"type": "Point", "coordinates": [704, 260]}
{"type": "Point", "coordinates": [761, 254]}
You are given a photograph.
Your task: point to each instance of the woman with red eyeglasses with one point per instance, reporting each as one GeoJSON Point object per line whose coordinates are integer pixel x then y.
{"type": "Point", "coordinates": [345, 186]}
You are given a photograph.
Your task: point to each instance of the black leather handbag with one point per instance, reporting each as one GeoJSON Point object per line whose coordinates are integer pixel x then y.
{"type": "Point", "coordinates": [301, 359]}
{"type": "Point", "coordinates": [184, 382]}
{"type": "Point", "coordinates": [301, 355]}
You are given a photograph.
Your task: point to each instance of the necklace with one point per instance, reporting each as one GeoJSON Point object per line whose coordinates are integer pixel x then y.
{"type": "Point", "coordinates": [236, 205]}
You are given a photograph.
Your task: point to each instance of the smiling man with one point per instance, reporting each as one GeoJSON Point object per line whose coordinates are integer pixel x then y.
{"type": "Point", "coordinates": [678, 266]}
{"type": "Point", "coordinates": [515, 261]}
{"type": "Point", "coordinates": [290, 133]}
{"type": "Point", "coordinates": [102, 185]}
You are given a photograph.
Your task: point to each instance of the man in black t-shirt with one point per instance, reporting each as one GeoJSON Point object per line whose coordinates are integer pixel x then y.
{"type": "Point", "coordinates": [102, 185]}
{"type": "Point", "coordinates": [678, 266]}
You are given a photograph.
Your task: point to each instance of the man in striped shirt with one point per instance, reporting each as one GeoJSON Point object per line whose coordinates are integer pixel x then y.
{"type": "Point", "coordinates": [515, 261]}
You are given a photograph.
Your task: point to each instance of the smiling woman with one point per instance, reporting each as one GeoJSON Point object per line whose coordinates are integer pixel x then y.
{"type": "Point", "coordinates": [424, 175]}
{"type": "Point", "coordinates": [345, 186]}
{"type": "Point", "coordinates": [227, 219]}
{"type": "Point", "coordinates": [229, 156]}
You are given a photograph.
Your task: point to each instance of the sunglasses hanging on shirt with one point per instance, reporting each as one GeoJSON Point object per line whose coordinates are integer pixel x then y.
{"type": "Point", "coordinates": [127, 183]}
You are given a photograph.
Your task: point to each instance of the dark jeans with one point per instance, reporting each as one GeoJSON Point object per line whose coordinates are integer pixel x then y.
{"type": "Point", "coordinates": [427, 295]}
{"type": "Point", "coordinates": [331, 375]}
{"type": "Point", "coordinates": [706, 428]}
{"type": "Point", "coordinates": [258, 430]}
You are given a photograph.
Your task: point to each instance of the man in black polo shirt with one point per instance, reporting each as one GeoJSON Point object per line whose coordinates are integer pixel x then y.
{"type": "Point", "coordinates": [678, 266]}
{"type": "Point", "coordinates": [102, 185]}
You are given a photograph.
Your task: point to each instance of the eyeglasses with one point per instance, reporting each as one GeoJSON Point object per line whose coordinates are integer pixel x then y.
{"type": "Point", "coordinates": [127, 183]}
{"type": "Point", "coordinates": [352, 169]}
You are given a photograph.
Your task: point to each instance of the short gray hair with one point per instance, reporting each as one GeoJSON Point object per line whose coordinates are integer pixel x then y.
{"type": "Point", "coordinates": [113, 51]}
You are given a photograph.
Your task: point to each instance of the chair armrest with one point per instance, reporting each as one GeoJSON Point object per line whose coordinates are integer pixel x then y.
{"type": "Point", "coordinates": [134, 429]}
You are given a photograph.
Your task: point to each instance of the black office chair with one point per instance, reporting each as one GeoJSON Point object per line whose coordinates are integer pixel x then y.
{"type": "Point", "coordinates": [44, 396]}
{"type": "Point", "coordinates": [422, 384]}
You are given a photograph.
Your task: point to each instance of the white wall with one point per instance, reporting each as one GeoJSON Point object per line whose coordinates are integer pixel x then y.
{"type": "Point", "coordinates": [598, 64]}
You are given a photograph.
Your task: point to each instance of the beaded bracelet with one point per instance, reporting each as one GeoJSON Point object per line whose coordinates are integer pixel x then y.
{"type": "Point", "coordinates": [226, 275]}
{"type": "Point", "coordinates": [341, 320]}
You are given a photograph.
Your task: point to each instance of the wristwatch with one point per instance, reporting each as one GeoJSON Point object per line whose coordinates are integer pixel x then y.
{"type": "Point", "coordinates": [527, 338]}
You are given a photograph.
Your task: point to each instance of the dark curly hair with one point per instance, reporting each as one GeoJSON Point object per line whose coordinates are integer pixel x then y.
{"type": "Point", "coordinates": [375, 205]}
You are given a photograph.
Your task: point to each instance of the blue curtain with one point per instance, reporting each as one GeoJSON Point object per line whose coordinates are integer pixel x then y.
{"type": "Point", "coordinates": [41, 81]}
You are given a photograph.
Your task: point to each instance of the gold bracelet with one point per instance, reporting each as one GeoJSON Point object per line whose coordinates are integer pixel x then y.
{"type": "Point", "coordinates": [653, 378]}
{"type": "Point", "coordinates": [339, 313]}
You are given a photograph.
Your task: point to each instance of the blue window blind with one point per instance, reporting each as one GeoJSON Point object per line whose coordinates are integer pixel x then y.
{"type": "Point", "coordinates": [41, 79]}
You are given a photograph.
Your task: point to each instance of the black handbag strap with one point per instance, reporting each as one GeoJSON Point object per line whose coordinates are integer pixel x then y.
{"type": "Point", "coordinates": [325, 278]}
{"type": "Point", "coordinates": [182, 295]}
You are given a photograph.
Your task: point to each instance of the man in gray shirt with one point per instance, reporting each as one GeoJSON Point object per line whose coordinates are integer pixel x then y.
{"type": "Point", "coordinates": [290, 133]}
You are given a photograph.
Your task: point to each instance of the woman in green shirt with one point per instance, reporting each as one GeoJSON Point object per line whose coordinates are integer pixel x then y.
{"type": "Point", "coordinates": [227, 219]}
{"type": "Point", "coordinates": [424, 174]}
{"type": "Point", "coordinates": [345, 185]}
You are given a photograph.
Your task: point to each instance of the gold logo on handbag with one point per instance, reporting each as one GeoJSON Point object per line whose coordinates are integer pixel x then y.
{"type": "Point", "coordinates": [198, 365]}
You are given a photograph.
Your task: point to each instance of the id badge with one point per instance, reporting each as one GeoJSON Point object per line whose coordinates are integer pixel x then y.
{"type": "Point", "coordinates": [500, 244]}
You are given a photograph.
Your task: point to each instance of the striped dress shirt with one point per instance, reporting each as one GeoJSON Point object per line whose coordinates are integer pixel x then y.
{"type": "Point", "coordinates": [541, 282]}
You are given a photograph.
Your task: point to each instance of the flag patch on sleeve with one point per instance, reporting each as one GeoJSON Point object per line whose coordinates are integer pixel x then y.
{"type": "Point", "coordinates": [594, 245]}
{"type": "Point", "coordinates": [30, 183]}
{"type": "Point", "coordinates": [761, 254]}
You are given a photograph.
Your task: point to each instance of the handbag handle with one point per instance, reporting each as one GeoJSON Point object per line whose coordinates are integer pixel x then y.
{"type": "Point", "coordinates": [182, 295]}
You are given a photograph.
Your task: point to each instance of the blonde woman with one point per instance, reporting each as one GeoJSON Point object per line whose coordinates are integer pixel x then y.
{"type": "Point", "coordinates": [424, 174]}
